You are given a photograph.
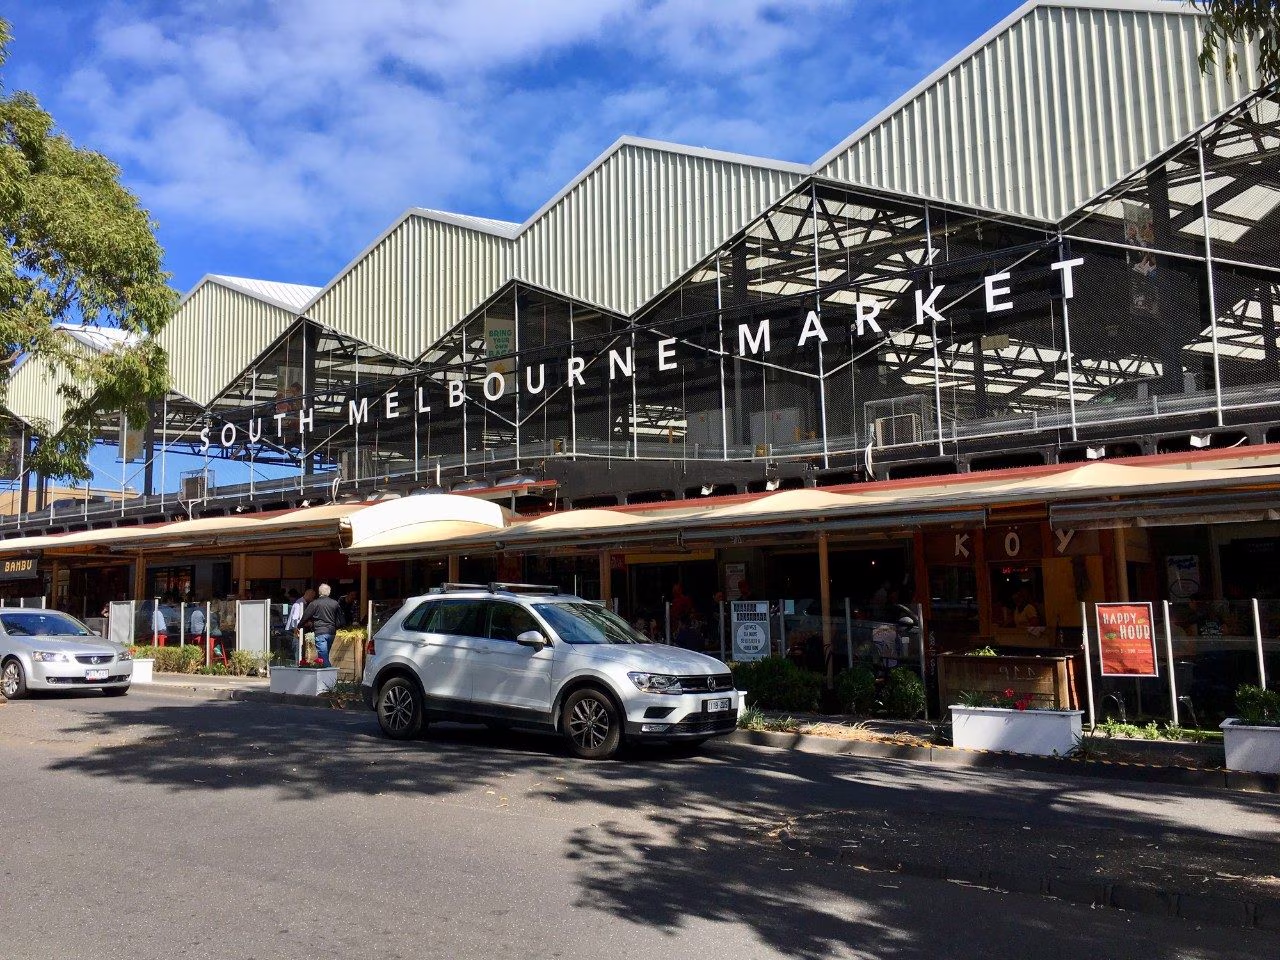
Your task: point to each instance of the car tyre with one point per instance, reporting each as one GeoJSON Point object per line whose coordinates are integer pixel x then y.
{"type": "Point", "coordinates": [13, 682]}
{"type": "Point", "coordinates": [591, 724]}
{"type": "Point", "coordinates": [116, 691]}
{"type": "Point", "coordinates": [399, 709]}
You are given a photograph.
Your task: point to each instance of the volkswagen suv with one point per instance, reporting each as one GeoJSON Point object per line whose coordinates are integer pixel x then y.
{"type": "Point", "coordinates": [524, 656]}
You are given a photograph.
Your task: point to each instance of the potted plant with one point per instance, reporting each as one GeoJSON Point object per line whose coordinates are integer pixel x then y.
{"type": "Point", "coordinates": [1013, 723]}
{"type": "Point", "coordinates": [144, 663]}
{"type": "Point", "coordinates": [310, 678]}
{"type": "Point", "coordinates": [1252, 737]}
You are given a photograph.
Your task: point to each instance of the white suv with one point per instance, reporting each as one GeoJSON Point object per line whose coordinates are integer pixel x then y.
{"type": "Point", "coordinates": [517, 655]}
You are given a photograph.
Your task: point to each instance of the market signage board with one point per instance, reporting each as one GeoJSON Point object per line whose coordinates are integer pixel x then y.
{"type": "Point", "coordinates": [1126, 640]}
{"type": "Point", "coordinates": [749, 623]}
{"type": "Point", "coordinates": [405, 397]}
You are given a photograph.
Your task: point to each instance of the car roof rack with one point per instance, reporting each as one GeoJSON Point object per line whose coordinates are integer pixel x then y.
{"type": "Point", "coordinates": [501, 587]}
{"type": "Point", "coordinates": [497, 586]}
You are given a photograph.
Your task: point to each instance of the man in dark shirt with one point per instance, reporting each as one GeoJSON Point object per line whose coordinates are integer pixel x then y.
{"type": "Point", "coordinates": [324, 616]}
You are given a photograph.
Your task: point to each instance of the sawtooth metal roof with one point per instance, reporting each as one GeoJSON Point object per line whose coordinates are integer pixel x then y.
{"type": "Point", "coordinates": [1051, 107]}
{"type": "Point", "coordinates": [1055, 104]}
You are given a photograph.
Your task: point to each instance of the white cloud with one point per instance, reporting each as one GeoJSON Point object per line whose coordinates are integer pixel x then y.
{"type": "Point", "coordinates": [329, 117]}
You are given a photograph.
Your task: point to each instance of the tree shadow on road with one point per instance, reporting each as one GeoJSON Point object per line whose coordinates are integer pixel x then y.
{"type": "Point", "coordinates": [696, 843]}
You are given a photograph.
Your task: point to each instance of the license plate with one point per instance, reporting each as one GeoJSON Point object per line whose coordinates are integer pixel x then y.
{"type": "Point", "coordinates": [95, 674]}
{"type": "Point", "coordinates": [718, 704]}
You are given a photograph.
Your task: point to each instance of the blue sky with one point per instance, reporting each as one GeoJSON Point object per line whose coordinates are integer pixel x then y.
{"type": "Point", "coordinates": [276, 140]}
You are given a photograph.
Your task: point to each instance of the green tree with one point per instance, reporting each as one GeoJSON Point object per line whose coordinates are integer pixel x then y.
{"type": "Point", "coordinates": [1241, 21]}
{"type": "Point", "coordinates": [80, 249]}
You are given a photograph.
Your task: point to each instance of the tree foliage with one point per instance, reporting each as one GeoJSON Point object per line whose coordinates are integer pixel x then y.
{"type": "Point", "coordinates": [80, 249]}
{"type": "Point", "coordinates": [1233, 22]}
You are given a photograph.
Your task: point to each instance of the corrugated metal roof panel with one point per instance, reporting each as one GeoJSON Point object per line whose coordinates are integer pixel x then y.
{"type": "Point", "coordinates": [291, 296]}
{"type": "Point", "coordinates": [1050, 108]}
{"type": "Point", "coordinates": [32, 393]}
{"type": "Point", "coordinates": [416, 281]}
{"type": "Point", "coordinates": [215, 333]}
{"type": "Point", "coordinates": [641, 216]}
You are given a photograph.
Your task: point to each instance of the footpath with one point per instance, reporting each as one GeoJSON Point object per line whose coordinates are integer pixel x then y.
{"type": "Point", "coordinates": [1157, 854]}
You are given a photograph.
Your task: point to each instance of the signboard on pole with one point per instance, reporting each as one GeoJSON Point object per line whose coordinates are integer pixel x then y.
{"type": "Point", "coordinates": [1126, 640]}
{"type": "Point", "coordinates": [749, 626]}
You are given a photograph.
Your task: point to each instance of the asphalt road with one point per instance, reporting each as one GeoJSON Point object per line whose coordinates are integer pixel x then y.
{"type": "Point", "coordinates": [158, 827]}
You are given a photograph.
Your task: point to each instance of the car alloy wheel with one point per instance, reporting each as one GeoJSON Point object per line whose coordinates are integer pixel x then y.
{"type": "Point", "coordinates": [12, 682]}
{"type": "Point", "coordinates": [399, 709]}
{"type": "Point", "coordinates": [591, 723]}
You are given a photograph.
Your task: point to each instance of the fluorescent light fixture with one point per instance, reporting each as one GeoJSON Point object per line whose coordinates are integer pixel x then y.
{"type": "Point", "coordinates": [772, 483]}
{"type": "Point", "coordinates": [707, 489]}
{"type": "Point", "coordinates": [1201, 440]}
{"type": "Point", "coordinates": [1095, 453]}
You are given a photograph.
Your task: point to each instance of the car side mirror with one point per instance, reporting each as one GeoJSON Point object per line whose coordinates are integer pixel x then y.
{"type": "Point", "coordinates": [532, 638]}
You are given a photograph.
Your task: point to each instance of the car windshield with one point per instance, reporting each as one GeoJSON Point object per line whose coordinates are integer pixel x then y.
{"type": "Point", "coordinates": [42, 623]}
{"type": "Point", "coordinates": [582, 622]}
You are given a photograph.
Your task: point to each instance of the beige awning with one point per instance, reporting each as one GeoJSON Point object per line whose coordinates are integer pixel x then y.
{"type": "Point", "coordinates": [243, 531]}
{"type": "Point", "coordinates": [888, 506]}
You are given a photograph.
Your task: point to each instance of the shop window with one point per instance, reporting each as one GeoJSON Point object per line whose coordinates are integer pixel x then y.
{"type": "Point", "coordinates": [953, 601]}
{"type": "Point", "coordinates": [1017, 593]}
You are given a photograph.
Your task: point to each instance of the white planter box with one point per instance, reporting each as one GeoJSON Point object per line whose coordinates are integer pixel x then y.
{"type": "Point", "coordinates": [303, 681]}
{"type": "Point", "coordinates": [1042, 733]}
{"type": "Point", "coordinates": [142, 670]}
{"type": "Point", "coordinates": [1251, 749]}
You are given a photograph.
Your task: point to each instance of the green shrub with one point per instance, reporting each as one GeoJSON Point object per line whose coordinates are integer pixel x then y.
{"type": "Point", "coordinates": [246, 663]}
{"type": "Point", "coordinates": [856, 690]}
{"type": "Point", "coordinates": [217, 669]}
{"type": "Point", "coordinates": [172, 659]}
{"type": "Point", "coordinates": [1257, 707]}
{"type": "Point", "coordinates": [904, 694]}
{"type": "Point", "coordinates": [775, 683]}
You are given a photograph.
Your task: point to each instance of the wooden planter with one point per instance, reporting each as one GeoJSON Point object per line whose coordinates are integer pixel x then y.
{"type": "Point", "coordinates": [1041, 733]}
{"type": "Point", "coordinates": [1251, 749]}
{"type": "Point", "coordinates": [1049, 681]}
{"type": "Point", "coordinates": [303, 681]}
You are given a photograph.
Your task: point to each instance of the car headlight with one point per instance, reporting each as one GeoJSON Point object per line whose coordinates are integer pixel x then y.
{"type": "Point", "coordinates": [49, 656]}
{"type": "Point", "coordinates": [125, 654]}
{"type": "Point", "coordinates": [656, 682]}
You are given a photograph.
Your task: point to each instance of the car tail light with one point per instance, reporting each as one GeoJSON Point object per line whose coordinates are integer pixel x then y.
{"type": "Point", "coordinates": [368, 647]}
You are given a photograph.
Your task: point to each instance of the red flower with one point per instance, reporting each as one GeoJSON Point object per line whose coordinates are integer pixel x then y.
{"type": "Point", "coordinates": [1009, 692]}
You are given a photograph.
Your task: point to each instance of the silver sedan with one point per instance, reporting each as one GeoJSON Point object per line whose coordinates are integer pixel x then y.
{"type": "Point", "coordinates": [48, 650]}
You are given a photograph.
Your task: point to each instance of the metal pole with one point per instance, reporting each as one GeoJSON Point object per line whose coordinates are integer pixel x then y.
{"type": "Point", "coordinates": [666, 622]}
{"type": "Point", "coordinates": [155, 634]}
{"type": "Point", "coordinates": [817, 302]}
{"type": "Point", "coordinates": [933, 335]}
{"type": "Point", "coordinates": [1066, 342]}
{"type": "Point", "coordinates": [723, 628]}
{"type": "Point", "coordinates": [182, 623]}
{"type": "Point", "coordinates": [573, 396]}
{"type": "Point", "coordinates": [1257, 636]}
{"type": "Point", "coordinates": [1088, 663]}
{"type": "Point", "coordinates": [782, 628]}
{"type": "Point", "coordinates": [848, 630]}
{"type": "Point", "coordinates": [208, 644]}
{"type": "Point", "coordinates": [1208, 266]}
{"type": "Point", "coordinates": [1173, 680]}
{"type": "Point", "coordinates": [724, 405]}
{"type": "Point", "coordinates": [515, 366]}
{"type": "Point", "coordinates": [924, 673]}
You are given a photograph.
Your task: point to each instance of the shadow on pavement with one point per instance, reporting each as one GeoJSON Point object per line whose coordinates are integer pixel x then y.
{"type": "Point", "coordinates": [704, 847]}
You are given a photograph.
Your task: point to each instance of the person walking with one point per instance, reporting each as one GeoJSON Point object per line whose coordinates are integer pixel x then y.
{"type": "Point", "coordinates": [324, 616]}
{"type": "Point", "coordinates": [293, 623]}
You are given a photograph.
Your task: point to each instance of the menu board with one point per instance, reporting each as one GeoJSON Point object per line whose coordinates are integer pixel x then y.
{"type": "Point", "coordinates": [1126, 640]}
